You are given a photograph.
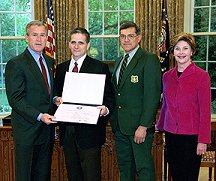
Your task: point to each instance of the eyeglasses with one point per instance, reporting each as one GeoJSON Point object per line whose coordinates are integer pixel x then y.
{"type": "Point", "coordinates": [129, 36]}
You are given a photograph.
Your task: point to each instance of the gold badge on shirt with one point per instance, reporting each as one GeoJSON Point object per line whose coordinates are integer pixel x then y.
{"type": "Point", "coordinates": [134, 78]}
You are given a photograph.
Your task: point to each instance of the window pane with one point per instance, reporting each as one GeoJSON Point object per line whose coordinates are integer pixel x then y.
{"type": "Point", "coordinates": [126, 5]}
{"type": "Point", "coordinates": [21, 46]}
{"type": "Point", "coordinates": [8, 50]}
{"type": "Point", "coordinates": [212, 72]}
{"type": "Point", "coordinates": [2, 74]}
{"type": "Point", "coordinates": [96, 48]}
{"type": "Point", "coordinates": [201, 65]}
{"type": "Point", "coordinates": [11, 48]}
{"type": "Point", "coordinates": [111, 23]}
{"type": "Point", "coordinates": [201, 19]}
{"type": "Point", "coordinates": [201, 42]}
{"type": "Point", "coordinates": [95, 23]}
{"type": "Point", "coordinates": [213, 2]}
{"type": "Point", "coordinates": [94, 5]}
{"type": "Point", "coordinates": [111, 5]}
{"type": "Point", "coordinates": [213, 92]}
{"type": "Point", "coordinates": [4, 106]}
{"type": "Point", "coordinates": [212, 50]}
{"type": "Point", "coordinates": [126, 16]}
{"type": "Point", "coordinates": [7, 5]}
{"type": "Point", "coordinates": [23, 5]}
{"type": "Point", "coordinates": [22, 20]}
{"type": "Point", "coordinates": [14, 16]}
{"type": "Point", "coordinates": [105, 22]}
{"type": "Point", "coordinates": [213, 20]}
{"type": "Point", "coordinates": [201, 2]}
{"type": "Point", "coordinates": [110, 48]}
{"type": "Point", "coordinates": [7, 25]}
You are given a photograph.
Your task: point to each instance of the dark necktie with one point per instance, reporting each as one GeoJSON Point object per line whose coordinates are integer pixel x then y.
{"type": "Point", "coordinates": [122, 69]}
{"type": "Point", "coordinates": [75, 69]}
{"type": "Point", "coordinates": [44, 73]}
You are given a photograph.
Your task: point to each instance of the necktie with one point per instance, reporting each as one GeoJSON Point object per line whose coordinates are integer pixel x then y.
{"type": "Point", "coordinates": [44, 73]}
{"type": "Point", "coordinates": [123, 66]}
{"type": "Point", "coordinates": [75, 69]}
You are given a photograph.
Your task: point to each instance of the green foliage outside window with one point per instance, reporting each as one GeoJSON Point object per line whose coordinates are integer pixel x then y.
{"type": "Point", "coordinates": [205, 21]}
{"type": "Point", "coordinates": [103, 24]}
{"type": "Point", "coordinates": [14, 15]}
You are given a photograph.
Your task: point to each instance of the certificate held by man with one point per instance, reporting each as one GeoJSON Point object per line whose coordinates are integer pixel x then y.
{"type": "Point", "coordinates": [82, 93]}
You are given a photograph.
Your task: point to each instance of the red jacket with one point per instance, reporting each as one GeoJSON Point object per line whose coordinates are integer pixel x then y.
{"type": "Point", "coordinates": [186, 107]}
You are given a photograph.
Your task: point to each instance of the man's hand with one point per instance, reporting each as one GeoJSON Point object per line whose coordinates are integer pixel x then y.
{"type": "Point", "coordinates": [103, 110]}
{"type": "Point", "coordinates": [47, 119]}
{"type": "Point", "coordinates": [140, 134]}
{"type": "Point", "coordinates": [58, 101]}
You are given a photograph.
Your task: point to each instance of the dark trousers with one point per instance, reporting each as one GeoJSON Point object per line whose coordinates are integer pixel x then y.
{"type": "Point", "coordinates": [134, 159]}
{"type": "Point", "coordinates": [33, 162]}
{"type": "Point", "coordinates": [81, 164]}
{"type": "Point", "coordinates": [184, 163]}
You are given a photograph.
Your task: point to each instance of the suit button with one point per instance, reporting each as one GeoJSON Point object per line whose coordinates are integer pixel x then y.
{"type": "Point", "coordinates": [119, 107]}
{"type": "Point", "coordinates": [119, 94]}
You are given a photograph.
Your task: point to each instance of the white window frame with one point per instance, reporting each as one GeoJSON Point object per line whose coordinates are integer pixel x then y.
{"type": "Point", "coordinates": [188, 27]}
{"type": "Point", "coordinates": [2, 89]}
{"type": "Point", "coordinates": [104, 36]}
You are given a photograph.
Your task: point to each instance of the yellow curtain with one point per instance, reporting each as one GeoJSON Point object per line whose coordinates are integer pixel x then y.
{"type": "Point", "coordinates": [68, 14]}
{"type": "Point", "coordinates": [148, 17]}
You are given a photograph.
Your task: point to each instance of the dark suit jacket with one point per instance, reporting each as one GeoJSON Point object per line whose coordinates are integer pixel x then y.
{"type": "Point", "coordinates": [28, 96]}
{"type": "Point", "coordinates": [138, 96]}
{"type": "Point", "coordinates": [87, 136]}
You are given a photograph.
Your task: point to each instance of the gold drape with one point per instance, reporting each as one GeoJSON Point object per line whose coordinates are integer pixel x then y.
{"type": "Point", "coordinates": [68, 14]}
{"type": "Point", "coordinates": [148, 17]}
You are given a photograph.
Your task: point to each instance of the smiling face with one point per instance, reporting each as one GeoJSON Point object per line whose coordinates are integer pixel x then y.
{"type": "Point", "coordinates": [129, 39]}
{"type": "Point", "coordinates": [78, 45]}
{"type": "Point", "coordinates": [183, 53]}
{"type": "Point", "coordinates": [36, 38]}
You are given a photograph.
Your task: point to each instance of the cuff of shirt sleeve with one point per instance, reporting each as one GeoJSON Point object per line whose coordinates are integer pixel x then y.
{"type": "Point", "coordinates": [39, 117]}
{"type": "Point", "coordinates": [54, 99]}
{"type": "Point", "coordinates": [107, 112]}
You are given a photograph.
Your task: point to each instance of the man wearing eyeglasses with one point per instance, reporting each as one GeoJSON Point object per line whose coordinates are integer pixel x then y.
{"type": "Point", "coordinates": [137, 83]}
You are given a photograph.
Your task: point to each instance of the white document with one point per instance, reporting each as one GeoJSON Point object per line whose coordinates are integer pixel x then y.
{"type": "Point", "coordinates": [77, 114]}
{"type": "Point", "coordinates": [83, 92]}
{"type": "Point", "coordinates": [83, 88]}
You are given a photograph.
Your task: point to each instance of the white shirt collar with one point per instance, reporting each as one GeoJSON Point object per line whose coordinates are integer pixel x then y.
{"type": "Point", "coordinates": [79, 62]}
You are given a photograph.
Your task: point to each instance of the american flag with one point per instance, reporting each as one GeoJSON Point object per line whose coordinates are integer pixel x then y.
{"type": "Point", "coordinates": [50, 48]}
{"type": "Point", "coordinates": [164, 41]}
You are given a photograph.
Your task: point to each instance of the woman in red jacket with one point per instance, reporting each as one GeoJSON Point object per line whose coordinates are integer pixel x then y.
{"type": "Point", "coordinates": [186, 111]}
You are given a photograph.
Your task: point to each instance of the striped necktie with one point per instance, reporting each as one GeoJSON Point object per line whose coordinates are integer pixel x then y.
{"type": "Point", "coordinates": [122, 69]}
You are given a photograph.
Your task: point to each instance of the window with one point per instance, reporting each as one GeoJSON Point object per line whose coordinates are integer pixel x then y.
{"type": "Point", "coordinates": [202, 25]}
{"type": "Point", "coordinates": [14, 15]}
{"type": "Point", "coordinates": [103, 19]}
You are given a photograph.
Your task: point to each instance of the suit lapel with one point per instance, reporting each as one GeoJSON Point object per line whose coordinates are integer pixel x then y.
{"type": "Point", "coordinates": [50, 70]}
{"type": "Point", "coordinates": [33, 67]}
{"type": "Point", "coordinates": [114, 80]}
{"type": "Point", "coordinates": [85, 65]}
{"type": "Point", "coordinates": [130, 66]}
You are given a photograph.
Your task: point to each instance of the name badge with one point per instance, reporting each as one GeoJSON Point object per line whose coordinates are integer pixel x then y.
{"type": "Point", "coordinates": [134, 78]}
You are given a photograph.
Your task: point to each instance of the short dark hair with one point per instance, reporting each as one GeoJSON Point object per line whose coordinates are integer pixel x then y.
{"type": "Point", "coordinates": [129, 24]}
{"type": "Point", "coordinates": [82, 31]}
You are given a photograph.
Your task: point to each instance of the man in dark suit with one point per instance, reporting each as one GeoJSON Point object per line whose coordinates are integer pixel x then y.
{"type": "Point", "coordinates": [82, 142]}
{"type": "Point", "coordinates": [137, 91]}
{"type": "Point", "coordinates": [31, 100]}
